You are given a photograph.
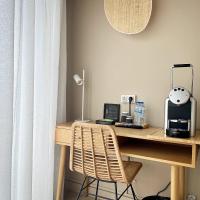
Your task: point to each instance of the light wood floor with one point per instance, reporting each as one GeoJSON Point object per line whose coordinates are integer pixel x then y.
{"type": "Point", "coordinates": [72, 196]}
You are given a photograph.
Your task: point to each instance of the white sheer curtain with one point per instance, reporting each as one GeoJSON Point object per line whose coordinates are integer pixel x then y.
{"type": "Point", "coordinates": [36, 72]}
{"type": "Point", "coordinates": [6, 95]}
{"type": "Point", "coordinates": [62, 85]}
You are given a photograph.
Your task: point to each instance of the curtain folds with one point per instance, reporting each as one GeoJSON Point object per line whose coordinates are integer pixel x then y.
{"type": "Point", "coordinates": [36, 72]}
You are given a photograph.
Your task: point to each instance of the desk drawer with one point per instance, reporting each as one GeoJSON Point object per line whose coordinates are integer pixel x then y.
{"type": "Point", "coordinates": [63, 136]}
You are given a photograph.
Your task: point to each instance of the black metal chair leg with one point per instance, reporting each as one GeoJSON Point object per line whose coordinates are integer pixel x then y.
{"type": "Point", "coordinates": [79, 194]}
{"type": "Point", "coordinates": [97, 190]}
{"type": "Point", "coordinates": [133, 192]}
{"type": "Point", "coordinates": [123, 192]}
{"type": "Point", "coordinates": [116, 195]}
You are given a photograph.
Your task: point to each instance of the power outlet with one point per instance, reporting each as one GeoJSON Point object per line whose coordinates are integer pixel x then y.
{"type": "Point", "coordinates": [125, 98]}
{"type": "Point", "coordinates": [191, 197]}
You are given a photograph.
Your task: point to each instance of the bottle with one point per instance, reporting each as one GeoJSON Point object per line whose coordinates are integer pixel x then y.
{"type": "Point", "coordinates": [139, 114]}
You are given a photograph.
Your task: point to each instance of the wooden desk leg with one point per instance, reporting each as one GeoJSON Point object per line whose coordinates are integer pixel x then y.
{"type": "Point", "coordinates": [175, 183]}
{"type": "Point", "coordinates": [61, 172]}
{"type": "Point", "coordinates": [182, 182]}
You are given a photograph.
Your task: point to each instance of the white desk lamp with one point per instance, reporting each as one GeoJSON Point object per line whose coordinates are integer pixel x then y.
{"type": "Point", "coordinates": [81, 82]}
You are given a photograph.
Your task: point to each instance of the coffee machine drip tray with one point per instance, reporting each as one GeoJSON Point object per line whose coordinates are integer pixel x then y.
{"type": "Point", "coordinates": [179, 124]}
{"type": "Point", "coordinates": [179, 128]}
{"type": "Point", "coordinates": [177, 133]}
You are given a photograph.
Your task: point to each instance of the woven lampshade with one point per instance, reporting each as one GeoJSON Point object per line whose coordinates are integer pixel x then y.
{"type": "Point", "coordinates": [128, 16]}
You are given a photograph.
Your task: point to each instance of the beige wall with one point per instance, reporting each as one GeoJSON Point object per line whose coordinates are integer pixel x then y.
{"type": "Point", "coordinates": [134, 64]}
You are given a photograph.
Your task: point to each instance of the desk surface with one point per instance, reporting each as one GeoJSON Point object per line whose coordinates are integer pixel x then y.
{"type": "Point", "coordinates": [151, 133]}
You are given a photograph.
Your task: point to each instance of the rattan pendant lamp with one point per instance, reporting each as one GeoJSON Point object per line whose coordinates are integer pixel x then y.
{"type": "Point", "coordinates": [128, 16]}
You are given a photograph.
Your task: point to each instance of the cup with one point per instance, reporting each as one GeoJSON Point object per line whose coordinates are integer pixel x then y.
{"type": "Point", "coordinates": [129, 119]}
{"type": "Point", "coordinates": [124, 116]}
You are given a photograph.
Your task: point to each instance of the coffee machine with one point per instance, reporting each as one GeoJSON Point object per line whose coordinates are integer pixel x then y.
{"type": "Point", "coordinates": [180, 109]}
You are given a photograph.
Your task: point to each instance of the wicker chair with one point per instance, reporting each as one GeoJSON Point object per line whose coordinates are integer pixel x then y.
{"type": "Point", "coordinates": [95, 153]}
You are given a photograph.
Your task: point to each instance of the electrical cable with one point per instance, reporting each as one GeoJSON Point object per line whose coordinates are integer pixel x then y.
{"type": "Point", "coordinates": [164, 189]}
{"type": "Point", "coordinates": [157, 197]}
{"type": "Point", "coordinates": [130, 99]}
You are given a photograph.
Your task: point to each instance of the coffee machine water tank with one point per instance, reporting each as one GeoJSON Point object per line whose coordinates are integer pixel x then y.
{"type": "Point", "coordinates": [180, 110]}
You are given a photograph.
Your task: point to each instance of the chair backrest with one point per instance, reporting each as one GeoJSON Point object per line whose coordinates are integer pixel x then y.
{"type": "Point", "coordinates": [94, 152]}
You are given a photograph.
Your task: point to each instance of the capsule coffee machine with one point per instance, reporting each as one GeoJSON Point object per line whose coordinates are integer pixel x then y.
{"type": "Point", "coordinates": [180, 109]}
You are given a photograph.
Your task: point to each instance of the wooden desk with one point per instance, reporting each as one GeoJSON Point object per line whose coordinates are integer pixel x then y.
{"type": "Point", "coordinates": [148, 144]}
